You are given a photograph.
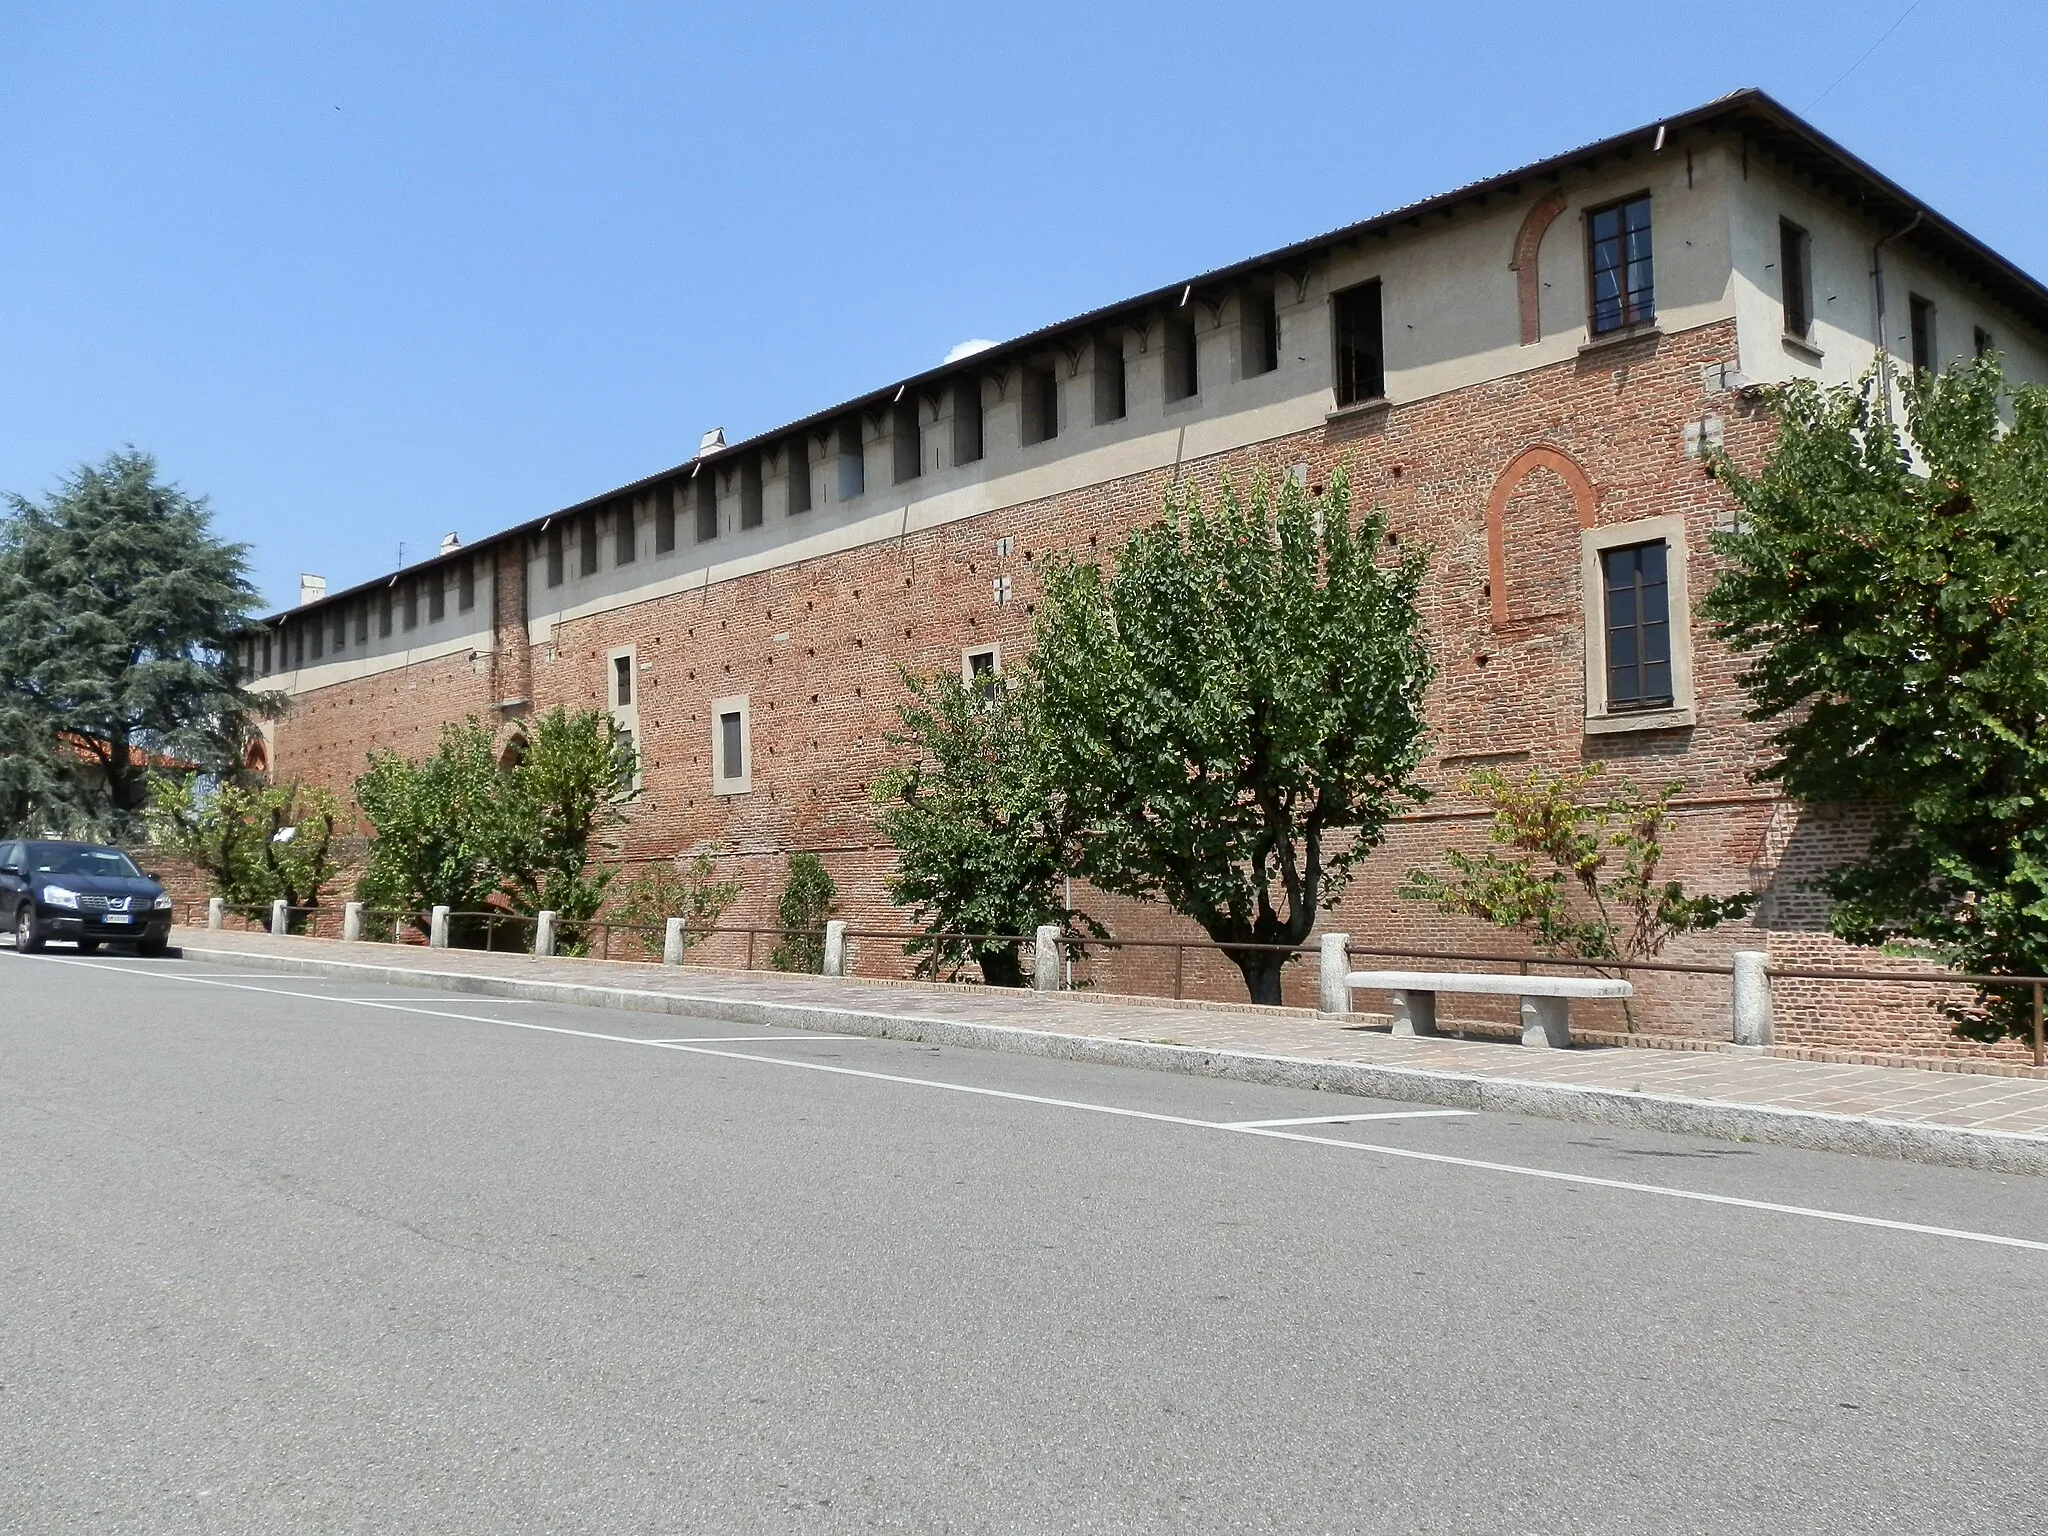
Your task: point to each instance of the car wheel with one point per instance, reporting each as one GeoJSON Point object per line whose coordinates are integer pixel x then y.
{"type": "Point", "coordinates": [151, 948]}
{"type": "Point", "coordinates": [88, 946]}
{"type": "Point", "coordinates": [28, 933]}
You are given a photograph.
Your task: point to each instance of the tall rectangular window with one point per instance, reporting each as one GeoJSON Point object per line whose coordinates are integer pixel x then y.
{"type": "Point", "coordinates": [707, 505]}
{"type": "Point", "coordinates": [732, 760]}
{"type": "Point", "coordinates": [1361, 356]}
{"type": "Point", "coordinates": [750, 491]}
{"type": "Point", "coordinates": [731, 753]}
{"type": "Point", "coordinates": [1638, 598]}
{"type": "Point", "coordinates": [1923, 332]}
{"type": "Point", "coordinates": [1795, 279]}
{"type": "Point", "coordinates": [967, 420]}
{"type": "Point", "coordinates": [665, 518]}
{"type": "Point", "coordinates": [266, 653]}
{"type": "Point", "coordinates": [1041, 403]}
{"type": "Point", "coordinates": [384, 614]}
{"type": "Point", "coordinates": [1259, 325]}
{"type": "Point", "coordinates": [625, 532]}
{"type": "Point", "coordinates": [319, 629]}
{"type": "Point", "coordinates": [797, 461]}
{"type": "Point", "coordinates": [437, 596]}
{"type": "Point", "coordinates": [363, 621]}
{"type": "Point", "coordinates": [622, 682]}
{"type": "Point", "coordinates": [906, 432]}
{"type": "Point", "coordinates": [853, 464]}
{"type": "Point", "coordinates": [1183, 358]}
{"type": "Point", "coordinates": [298, 645]}
{"type": "Point", "coordinates": [412, 605]}
{"type": "Point", "coordinates": [554, 557]}
{"type": "Point", "coordinates": [340, 630]}
{"type": "Point", "coordinates": [1111, 396]}
{"type": "Point", "coordinates": [465, 589]}
{"type": "Point", "coordinates": [1981, 343]}
{"type": "Point", "coordinates": [1623, 277]}
{"type": "Point", "coordinates": [586, 540]}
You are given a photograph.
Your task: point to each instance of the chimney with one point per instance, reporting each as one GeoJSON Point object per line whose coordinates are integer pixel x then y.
{"type": "Point", "coordinates": [450, 542]}
{"type": "Point", "coordinates": [311, 588]}
{"type": "Point", "coordinates": [711, 442]}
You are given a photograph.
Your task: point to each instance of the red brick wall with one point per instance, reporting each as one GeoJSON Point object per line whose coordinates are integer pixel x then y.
{"type": "Point", "coordinates": [817, 647]}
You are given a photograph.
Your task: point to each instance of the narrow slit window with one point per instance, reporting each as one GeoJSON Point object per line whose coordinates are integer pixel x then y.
{"type": "Point", "coordinates": [1623, 274]}
{"type": "Point", "coordinates": [554, 559]}
{"type": "Point", "coordinates": [437, 596]}
{"type": "Point", "coordinates": [1638, 603]}
{"type": "Point", "coordinates": [622, 682]}
{"type": "Point", "coordinates": [1923, 332]}
{"type": "Point", "coordinates": [363, 622]}
{"type": "Point", "coordinates": [1111, 398]}
{"type": "Point", "coordinates": [587, 542]}
{"type": "Point", "coordinates": [465, 591]}
{"type": "Point", "coordinates": [1981, 342]}
{"type": "Point", "coordinates": [1361, 366]}
{"type": "Point", "coordinates": [732, 746]}
{"type": "Point", "coordinates": [1260, 323]}
{"type": "Point", "coordinates": [853, 464]}
{"type": "Point", "coordinates": [1041, 404]}
{"type": "Point", "coordinates": [625, 533]}
{"type": "Point", "coordinates": [665, 519]}
{"type": "Point", "coordinates": [798, 452]}
{"type": "Point", "coordinates": [707, 505]}
{"type": "Point", "coordinates": [907, 434]}
{"type": "Point", "coordinates": [1795, 279]}
{"type": "Point", "coordinates": [340, 630]}
{"type": "Point", "coordinates": [1183, 359]}
{"type": "Point", "coordinates": [750, 491]}
{"type": "Point", "coordinates": [384, 614]}
{"type": "Point", "coordinates": [319, 628]}
{"type": "Point", "coordinates": [412, 605]}
{"type": "Point", "coordinates": [967, 420]}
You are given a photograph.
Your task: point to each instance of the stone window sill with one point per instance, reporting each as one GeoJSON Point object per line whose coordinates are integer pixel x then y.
{"type": "Point", "coordinates": [1639, 720]}
{"type": "Point", "coordinates": [1801, 348]}
{"type": "Point", "coordinates": [1621, 337]}
{"type": "Point", "coordinates": [1378, 405]}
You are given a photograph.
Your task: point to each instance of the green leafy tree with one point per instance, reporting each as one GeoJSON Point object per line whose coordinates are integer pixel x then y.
{"type": "Point", "coordinates": [807, 900]}
{"type": "Point", "coordinates": [686, 888]}
{"type": "Point", "coordinates": [1890, 588]}
{"type": "Point", "coordinates": [1578, 876]}
{"type": "Point", "coordinates": [568, 789]}
{"type": "Point", "coordinates": [441, 827]}
{"type": "Point", "coordinates": [118, 607]}
{"type": "Point", "coordinates": [43, 783]}
{"type": "Point", "coordinates": [258, 842]}
{"type": "Point", "coordinates": [984, 842]}
{"type": "Point", "coordinates": [1236, 711]}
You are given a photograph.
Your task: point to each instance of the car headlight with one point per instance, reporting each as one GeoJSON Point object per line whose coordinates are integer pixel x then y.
{"type": "Point", "coordinates": [58, 896]}
{"type": "Point", "coordinates": [162, 904]}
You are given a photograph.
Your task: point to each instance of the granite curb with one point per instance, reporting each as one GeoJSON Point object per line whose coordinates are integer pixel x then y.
{"type": "Point", "coordinates": [1812, 1130]}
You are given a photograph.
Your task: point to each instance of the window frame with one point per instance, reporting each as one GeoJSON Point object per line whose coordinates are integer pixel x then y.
{"type": "Point", "coordinates": [1670, 531]}
{"type": "Point", "coordinates": [743, 782]}
{"type": "Point", "coordinates": [1795, 280]}
{"type": "Point", "coordinates": [625, 712]}
{"type": "Point", "coordinates": [992, 649]}
{"type": "Point", "coordinates": [1923, 323]}
{"type": "Point", "coordinates": [1629, 321]}
{"type": "Point", "coordinates": [1343, 385]}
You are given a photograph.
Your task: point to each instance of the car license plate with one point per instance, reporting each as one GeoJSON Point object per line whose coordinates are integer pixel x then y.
{"type": "Point", "coordinates": [119, 917]}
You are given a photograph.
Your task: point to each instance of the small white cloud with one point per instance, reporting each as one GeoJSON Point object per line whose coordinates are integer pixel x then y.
{"type": "Point", "coordinates": [967, 349]}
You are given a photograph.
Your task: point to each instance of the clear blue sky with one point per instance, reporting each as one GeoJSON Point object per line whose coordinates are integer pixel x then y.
{"type": "Point", "coordinates": [367, 274]}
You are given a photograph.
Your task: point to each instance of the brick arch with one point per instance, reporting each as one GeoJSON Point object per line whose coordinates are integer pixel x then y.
{"type": "Point", "coordinates": [1585, 502]}
{"type": "Point", "coordinates": [1528, 240]}
{"type": "Point", "coordinates": [257, 757]}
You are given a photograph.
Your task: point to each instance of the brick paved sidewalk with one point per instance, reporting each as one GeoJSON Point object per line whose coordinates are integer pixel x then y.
{"type": "Point", "coordinates": [1896, 1096]}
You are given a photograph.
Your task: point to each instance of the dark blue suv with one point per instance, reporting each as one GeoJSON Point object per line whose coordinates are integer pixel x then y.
{"type": "Point", "coordinates": [82, 892]}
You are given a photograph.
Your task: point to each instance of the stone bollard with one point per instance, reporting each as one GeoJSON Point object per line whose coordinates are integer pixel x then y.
{"type": "Point", "coordinates": [216, 913]}
{"type": "Point", "coordinates": [672, 942]}
{"type": "Point", "coordinates": [544, 936]}
{"type": "Point", "coordinates": [1333, 974]}
{"type": "Point", "coordinates": [437, 929]}
{"type": "Point", "coordinates": [280, 917]}
{"type": "Point", "coordinates": [1752, 997]}
{"type": "Point", "coordinates": [836, 959]}
{"type": "Point", "coordinates": [1045, 967]}
{"type": "Point", "coordinates": [352, 922]}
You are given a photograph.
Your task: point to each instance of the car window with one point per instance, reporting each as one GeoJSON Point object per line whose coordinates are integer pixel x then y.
{"type": "Point", "coordinates": [10, 855]}
{"type": "Point", "coordinates": [47, 859]}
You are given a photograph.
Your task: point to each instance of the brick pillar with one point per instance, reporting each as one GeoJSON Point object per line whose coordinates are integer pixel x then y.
{"type": "Point", "coordinates": [512, 658]}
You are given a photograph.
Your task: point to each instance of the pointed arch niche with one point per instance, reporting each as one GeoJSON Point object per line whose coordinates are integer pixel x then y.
{"type": "Point", "coordinates": [1542, 477]}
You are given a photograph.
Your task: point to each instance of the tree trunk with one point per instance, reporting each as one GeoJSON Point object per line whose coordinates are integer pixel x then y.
{"type": "Point", "coordinates": [1261, 973]}
{"type": "Point", "coordinates": [999, 967]}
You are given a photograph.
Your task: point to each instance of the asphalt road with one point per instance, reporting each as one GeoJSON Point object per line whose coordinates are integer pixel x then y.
{"type": "Point", "coordinates": [294, 1254]}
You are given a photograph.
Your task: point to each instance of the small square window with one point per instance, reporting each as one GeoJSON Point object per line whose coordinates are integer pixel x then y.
{"type": "Point", "coordinates": [1624, 285]}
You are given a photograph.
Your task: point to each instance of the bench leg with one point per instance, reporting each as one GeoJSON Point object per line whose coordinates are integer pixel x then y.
{"type": "Point", "coordinates": [1414, 1012]}
{"type": "Point", "coordinates": [1547, 1021]}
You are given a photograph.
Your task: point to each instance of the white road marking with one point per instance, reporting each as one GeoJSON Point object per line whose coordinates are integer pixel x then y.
{"type": "Point", "coordinates": [747, 1039]}
{"type": "Point", "coordinates": [1385, 1114]}
{"type": "Point", "coordinates": [1584, 1180]}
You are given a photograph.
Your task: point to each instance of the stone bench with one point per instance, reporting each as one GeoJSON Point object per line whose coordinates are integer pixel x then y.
{"type": "Point", "coordinates": [1546, 1000]}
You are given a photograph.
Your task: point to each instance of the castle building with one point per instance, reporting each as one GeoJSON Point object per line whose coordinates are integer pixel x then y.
{"type": "Point", "coordinates": [1523, 373]}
